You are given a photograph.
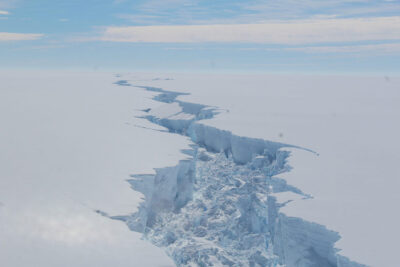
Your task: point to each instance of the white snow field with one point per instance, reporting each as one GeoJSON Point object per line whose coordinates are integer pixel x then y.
{"type": "Point", "coordinates": [225, 190]}
{"type": "Point", "coordinates": [67, 145]}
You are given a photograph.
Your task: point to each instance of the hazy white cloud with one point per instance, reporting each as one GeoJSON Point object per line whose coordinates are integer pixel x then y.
{"type": "Point", "coordinates": [196, 12]}
{"type": "Point", "coordinates": [155, 5]}
{"type": "Point", "coordinates": [385, 48]}
{"type": "Point", "coordinates": [287, 32]}
{"type": "Point", "coordinates": [308, 8]}
{"type": "Point", "coordinates": [3, 12]}
{"type": "Point", "coordinates": [7, 4]}
{"type": "Point", "coordinates": [9, 36]}
{"type": "Point", "coordinates": [388, 48]}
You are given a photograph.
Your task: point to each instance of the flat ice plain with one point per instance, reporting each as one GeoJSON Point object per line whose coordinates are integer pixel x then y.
{"type": "Point", "coordinates": [67, 145]}
{"type": "Point", "coordinates": [70, 140]}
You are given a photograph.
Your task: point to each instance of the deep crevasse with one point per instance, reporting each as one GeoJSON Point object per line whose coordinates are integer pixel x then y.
{"type": "Point", "coordinates": [217, 207]}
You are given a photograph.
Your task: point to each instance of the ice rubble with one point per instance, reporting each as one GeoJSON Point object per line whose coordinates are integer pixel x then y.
{"type": "Point", "coordinates": [217, 207]}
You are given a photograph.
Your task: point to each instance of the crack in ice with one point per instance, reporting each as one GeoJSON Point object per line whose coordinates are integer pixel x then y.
{"type": "Point", "coordinates": [217, 207]}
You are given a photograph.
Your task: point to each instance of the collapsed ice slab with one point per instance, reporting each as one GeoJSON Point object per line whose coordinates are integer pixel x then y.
{"type": "Point", "coordinates": [183, 118]}
{"type": "Point", "coordinates": [210, 211]}
{"type": "Point", "coordinates": [243, 149]}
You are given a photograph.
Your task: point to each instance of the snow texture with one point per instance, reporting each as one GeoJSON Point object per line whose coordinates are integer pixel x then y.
{"type": "Point", "coordinates": [67, 144]}
{"type": "Point", "coordinates": [219, 206]}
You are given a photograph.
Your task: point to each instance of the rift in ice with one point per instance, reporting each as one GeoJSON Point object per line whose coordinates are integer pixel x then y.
{"type": "Point", "coordinates": [216, 208]}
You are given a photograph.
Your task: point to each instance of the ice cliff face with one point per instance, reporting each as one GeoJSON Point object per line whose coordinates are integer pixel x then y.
{"type": "Point", "coordinates": [216, 208]}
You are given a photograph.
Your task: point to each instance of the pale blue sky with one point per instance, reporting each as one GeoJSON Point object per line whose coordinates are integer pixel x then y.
{"type": "Point", "coordinates": [329, 36]}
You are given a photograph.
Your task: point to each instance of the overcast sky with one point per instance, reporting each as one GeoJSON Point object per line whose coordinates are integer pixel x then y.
{"type": "Point", "coordinates": [359, 36]}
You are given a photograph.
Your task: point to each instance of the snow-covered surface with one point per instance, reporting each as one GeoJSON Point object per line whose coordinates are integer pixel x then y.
{"type": "Point", "coordinates": [350, 121]}
{"type": "Point", "coordinates": [70, 140]}
{"type": "Point", "coordinates": [67, 145]}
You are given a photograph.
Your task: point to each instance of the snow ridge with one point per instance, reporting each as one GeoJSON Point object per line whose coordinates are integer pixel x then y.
{"type": "Point", "coordinates": [217, 208]}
